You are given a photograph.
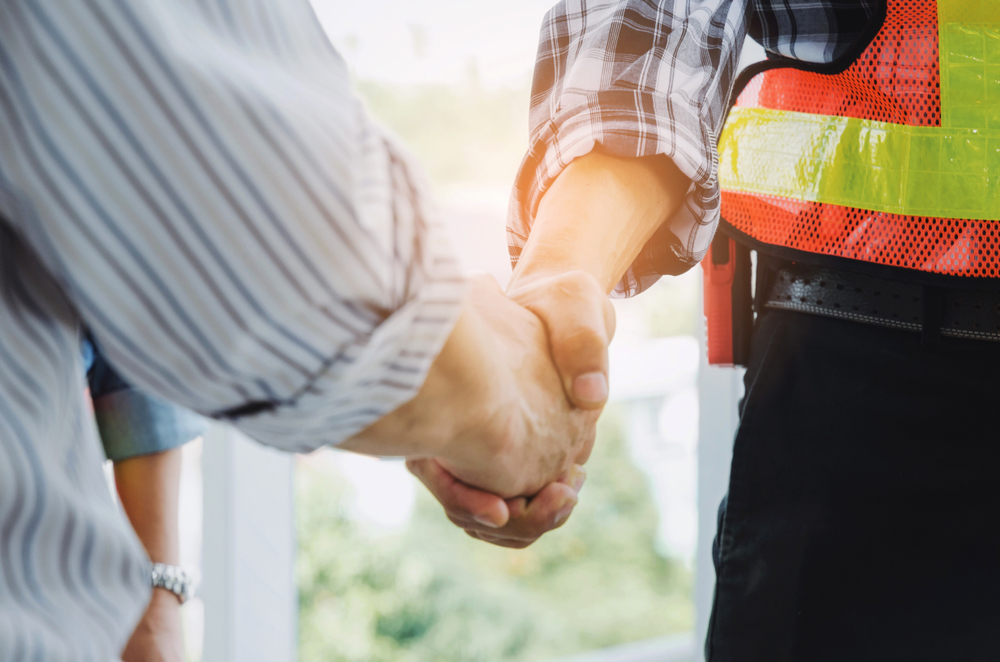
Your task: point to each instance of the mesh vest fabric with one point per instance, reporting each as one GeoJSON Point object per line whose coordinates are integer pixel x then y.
{"type": "Point", "coordinates": [893, 161]}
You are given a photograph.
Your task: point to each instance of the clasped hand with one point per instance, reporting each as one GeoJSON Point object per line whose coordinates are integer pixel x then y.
{"type": "Point", "coordinates": [507, 414]}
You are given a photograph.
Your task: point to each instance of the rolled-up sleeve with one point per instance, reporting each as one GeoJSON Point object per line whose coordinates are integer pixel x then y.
{"type": "Point", "coordinates": [131, 422]}
{"type": "Point", "coordinates": [236, 232]}
{"type": "Point", "coordinates": [634, 78]}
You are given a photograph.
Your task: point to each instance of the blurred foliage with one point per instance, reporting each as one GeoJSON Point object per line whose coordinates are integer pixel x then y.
{"type": "Point", "coordinates": [460, 134]}
{"type": "Point", "coordinates": [465, 135]}
{"type": "Point", "coordinates": [670, 307]}
{"type": "Point", "coordinates": [431, 594]}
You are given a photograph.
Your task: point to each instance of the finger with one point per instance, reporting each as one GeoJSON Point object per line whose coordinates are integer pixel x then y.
{"type": "Point", "coordinates": [610, 320]}
{"type": "Point", "coordinates": [583, 454]}
{"type": "Point", "coordinates": [527, 517]}
{"type": "Point", "coordinates": [575, 478]}
{"type": "Point", "coordinates": [500, 542]}
{"type": "Point", "coordinates": [461, 502]}
{"type": "Point", "coordinates": [517, 507]}
{"type": "Point", "coordinates": [580, 322]}
{"type": "Point", "coordinates": [550, 509]}
{"type": "Point", "coordinates": [547, 511]}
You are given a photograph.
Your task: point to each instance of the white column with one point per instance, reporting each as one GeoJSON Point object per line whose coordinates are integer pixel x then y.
{"type": "Point", "coordinates": [719, 392]}
{"type": "Point", "coordinates": [248, 584]}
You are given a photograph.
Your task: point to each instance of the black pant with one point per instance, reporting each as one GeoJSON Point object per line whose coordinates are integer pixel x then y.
{"type": "Point", "coordinates": [863, 514]}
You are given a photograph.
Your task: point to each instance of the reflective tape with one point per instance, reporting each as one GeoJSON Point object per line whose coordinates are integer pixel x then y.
{"type": "Point", "coordinates": [894, 168]}
{"type": "Point", "coordinates": [952, 171]}
{"type": "Point", "coordinates": [969, 47]}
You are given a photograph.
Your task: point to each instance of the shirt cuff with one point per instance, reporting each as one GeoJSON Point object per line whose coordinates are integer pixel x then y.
{"type": "Point", "coordinates": [133, 423]}
{"type": "Point", "coordinates": [628, 123]}
{"type": "Point", "coordinates": [376, 374]}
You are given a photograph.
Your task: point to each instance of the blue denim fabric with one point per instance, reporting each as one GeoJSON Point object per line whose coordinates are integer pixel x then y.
{"type": "Point", "coordinates": [130, 421]}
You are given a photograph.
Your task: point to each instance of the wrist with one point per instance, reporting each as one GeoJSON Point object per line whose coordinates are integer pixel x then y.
{"type": "Point", "coordinates": [555, 249]}
{"type": "Point", "coordinates": [161, 600]}
{"type": "Point", "coordinates": [598, 215]}
{"type": "Point", "coordinates": [459, 393]}
{"type": "Point", "coordinates": [478, 390]}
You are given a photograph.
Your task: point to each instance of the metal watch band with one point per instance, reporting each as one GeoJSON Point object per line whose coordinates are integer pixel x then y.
{"type": "Point", "coordinates": [174, 579]}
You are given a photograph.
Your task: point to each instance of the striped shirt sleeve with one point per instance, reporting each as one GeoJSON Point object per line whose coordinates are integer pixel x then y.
{"type": "Point", "coordinates": [237, 233]}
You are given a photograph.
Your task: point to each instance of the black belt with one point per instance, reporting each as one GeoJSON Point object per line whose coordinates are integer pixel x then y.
{"type": "Point", "coordinates": [959, 313]}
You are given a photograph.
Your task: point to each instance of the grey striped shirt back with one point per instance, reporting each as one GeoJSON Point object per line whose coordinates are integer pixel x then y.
{"type": "Point", "coordinates": [196, 184]}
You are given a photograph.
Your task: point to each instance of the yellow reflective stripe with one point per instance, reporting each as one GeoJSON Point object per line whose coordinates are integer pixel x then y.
{"type": "Point", "coordinates": [969, 47]}
{"type": "Point", "coordinates": [894, 168]}
{"type": "Point", "coordinates": [968, 11]}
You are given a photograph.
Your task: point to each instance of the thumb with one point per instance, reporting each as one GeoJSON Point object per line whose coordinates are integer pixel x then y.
{"type": "Point", "coordinates": [580, 321]}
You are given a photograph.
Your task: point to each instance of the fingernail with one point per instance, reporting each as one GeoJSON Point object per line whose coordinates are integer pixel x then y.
{"type": "Point", "coordinates": [485, 522]}
{"type": "Point", "coordinates": [591, 387]}
{"type": "Point", "coordinates": [579, 480]}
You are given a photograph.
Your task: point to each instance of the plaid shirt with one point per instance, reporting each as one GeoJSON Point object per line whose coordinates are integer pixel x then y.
{"type": "Point", "coordinates": [642, 78]}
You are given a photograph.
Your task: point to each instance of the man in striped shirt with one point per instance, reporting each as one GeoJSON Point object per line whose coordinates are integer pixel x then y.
{"type": "Point", "coordinates": [195, 184]}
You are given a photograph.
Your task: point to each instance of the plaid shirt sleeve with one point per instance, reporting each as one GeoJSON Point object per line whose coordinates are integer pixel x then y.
{"type": "Point", "coordinates": [644, 77]}
{"type": "Point", "coordinates": [637, 78]}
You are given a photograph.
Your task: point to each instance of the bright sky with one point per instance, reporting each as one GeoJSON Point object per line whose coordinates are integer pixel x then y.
{"type": "Point", "coordinates": [436, 41]}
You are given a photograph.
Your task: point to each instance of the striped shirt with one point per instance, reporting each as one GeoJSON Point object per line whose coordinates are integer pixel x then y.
{"type": "Point", "coordinates": [195, 183]}
{"type": "Point", "coordinates": [641, 78]}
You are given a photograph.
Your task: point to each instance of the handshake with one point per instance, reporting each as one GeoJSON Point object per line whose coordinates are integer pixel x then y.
{"type": "Point", "coordinates": [507, 414]}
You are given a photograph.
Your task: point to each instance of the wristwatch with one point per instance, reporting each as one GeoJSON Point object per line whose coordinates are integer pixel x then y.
{"type": "Point", "coordinates": [173, 578]}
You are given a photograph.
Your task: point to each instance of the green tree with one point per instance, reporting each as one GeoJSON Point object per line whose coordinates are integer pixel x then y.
{"type": "Point", "coordinates": [431, 594]}
{"type": "Point", "coordinates": [461, 134]}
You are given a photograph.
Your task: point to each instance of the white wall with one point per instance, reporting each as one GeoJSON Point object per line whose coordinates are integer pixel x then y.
{"type": "Point", "coordinates": [249, 551]}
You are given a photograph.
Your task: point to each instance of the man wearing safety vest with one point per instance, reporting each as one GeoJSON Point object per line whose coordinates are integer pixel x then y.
{"type": "Point", "coordinates": [861, 162]}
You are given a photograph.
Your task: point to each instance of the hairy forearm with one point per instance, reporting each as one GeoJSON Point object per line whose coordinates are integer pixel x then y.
{"type": "Point", "coordinates": [148, 487]}
{"type": "Point", "coordinates": [599, 214]}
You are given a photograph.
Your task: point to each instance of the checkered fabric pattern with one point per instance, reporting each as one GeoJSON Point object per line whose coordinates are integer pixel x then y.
{"type": "Point", "coordinates": [640, 78]}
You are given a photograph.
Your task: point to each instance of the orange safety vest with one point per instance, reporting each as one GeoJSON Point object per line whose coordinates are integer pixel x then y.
{"type": "Point", "coordinates": [890, 164]}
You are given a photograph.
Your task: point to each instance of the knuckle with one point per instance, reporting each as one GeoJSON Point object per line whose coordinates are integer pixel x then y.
{"type": "Point", "coordinates": [580, 341]}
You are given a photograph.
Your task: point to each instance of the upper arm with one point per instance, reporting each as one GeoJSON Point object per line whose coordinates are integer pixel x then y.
{"type": "Point", "coordinates": [228, 222]}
